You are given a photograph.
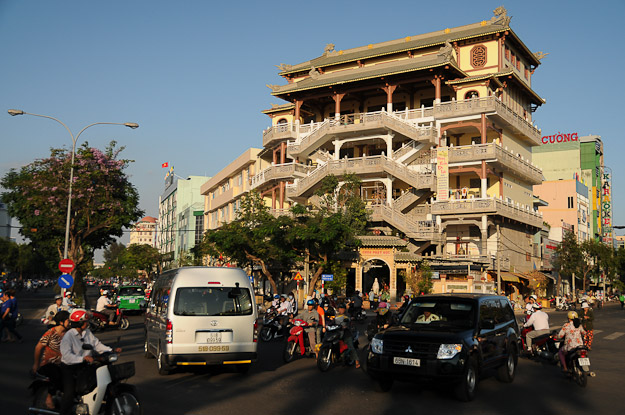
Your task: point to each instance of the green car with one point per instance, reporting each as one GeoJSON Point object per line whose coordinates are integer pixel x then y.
{"type": "Point", "coordinates": [131, 297]}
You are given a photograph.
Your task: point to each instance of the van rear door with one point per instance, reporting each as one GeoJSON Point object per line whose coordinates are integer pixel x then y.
{"type": "Point", "coordinates": [217, 319]}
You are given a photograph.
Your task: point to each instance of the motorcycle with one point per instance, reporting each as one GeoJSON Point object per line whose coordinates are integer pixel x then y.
{"type": "Point", "coordinates": [271, 326]}
{"type": "Point", "coordinates": [333, 349]}
{"type": "Point", "coordinates": [99, 389]}
{"type": "Point", "coordinates": [100, 321]}
{"type": "Point", "coordinates": [297, 341]}
{"type": "Point", "coordinates": [545, 347]}
{"type": "Point", "coordinates": [578, 365]}
{"type": "Point", "coordinates": [357, 313]}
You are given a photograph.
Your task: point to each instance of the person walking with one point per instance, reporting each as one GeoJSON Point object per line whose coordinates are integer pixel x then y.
{"type": "Point", "coordinates": [621, 298]}
{"type": "Point", "coordinates": [9, 315]}
{"type": "Point", "coordinates": [588, 318]}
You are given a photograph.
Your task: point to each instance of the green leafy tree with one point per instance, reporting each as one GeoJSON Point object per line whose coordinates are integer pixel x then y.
{"type": "Point", "coordinates": [103, 201]}
{"type": "Point", "coordinates": [568, 257]}
{"type": "Point", "coordinates": [321, 234]}
{"type": "Point", "coordinates": [142, 257]}
{"type": "Point", "coordinates": [254, 237]}
{"type": "Point", "coordinates": [420, 280]}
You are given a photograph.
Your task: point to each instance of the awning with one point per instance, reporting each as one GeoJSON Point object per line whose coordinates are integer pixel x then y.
{"type": "Point", "coordinates": [510, 277]}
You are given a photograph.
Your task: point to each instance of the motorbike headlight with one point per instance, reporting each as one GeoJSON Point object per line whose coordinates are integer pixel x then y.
{"type": "Point", "coordinates": [113, 357]}
{"type": "Point", "coordinates": [82, 409]}
{"type": "Point", "coordinates": [377, 345]}
{"type": "Point", "coordinates": [448, 351]}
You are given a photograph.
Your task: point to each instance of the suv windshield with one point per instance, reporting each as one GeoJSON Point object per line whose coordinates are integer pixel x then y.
{"type": "Point", "coordinates": [131, 291]}
{"type": "Point", "coordinates": [434, 313]}
{"type": "Point", "coordinates": [191, 301]}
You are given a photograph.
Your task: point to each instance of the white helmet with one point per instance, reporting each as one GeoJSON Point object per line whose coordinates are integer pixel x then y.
{"type": "Point", "coordinates": [105, 292]}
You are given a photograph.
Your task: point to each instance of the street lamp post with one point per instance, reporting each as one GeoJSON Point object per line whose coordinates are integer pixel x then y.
{"type": "Point", "coordinates": [14, 112]}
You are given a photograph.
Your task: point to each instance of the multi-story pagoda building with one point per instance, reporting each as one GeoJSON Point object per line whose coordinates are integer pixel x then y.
{"type": "Point", "coordinates": [439, 129]}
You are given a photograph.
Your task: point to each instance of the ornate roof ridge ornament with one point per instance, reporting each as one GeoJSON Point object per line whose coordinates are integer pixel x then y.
{"type": "Point", "coordinates": [540, 55]}
{"type": "Point", "coordinates": [273, 88]}
{"type": "Point", "coordinates": [446, 51]}
{"type": "Point", "coordinates": [284, 67]}
{"type": "Point", "coordinates": [313, 73]}
{"type": "Point", "coordinates": [500, 17]}
{"type": "Point", "coordinates": [328, 49]}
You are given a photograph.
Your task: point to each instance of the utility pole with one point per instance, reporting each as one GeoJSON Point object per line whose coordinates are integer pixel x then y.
{"type": "Point", "coordinates": [498, 263]}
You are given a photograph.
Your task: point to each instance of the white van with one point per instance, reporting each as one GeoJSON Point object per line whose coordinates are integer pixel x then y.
{"type": "Point", "coordinates": [201, 316]}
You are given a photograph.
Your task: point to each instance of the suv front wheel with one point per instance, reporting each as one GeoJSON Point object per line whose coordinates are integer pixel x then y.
{"type": "Point", "coordinates": [465, 390]}
{"type": "Point", "coordinates": [505, 372]}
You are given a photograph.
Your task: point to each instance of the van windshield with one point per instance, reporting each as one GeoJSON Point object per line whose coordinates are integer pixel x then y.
{"type": "Point", "coordinates": [201, 301]}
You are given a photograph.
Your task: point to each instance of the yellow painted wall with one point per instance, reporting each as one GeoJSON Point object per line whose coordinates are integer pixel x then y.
{"type": "Point", "coordinates": [517, 191]}
{"type": "Point", "coordinates": [482, 90]}
{"type": "Point", "coordinates": [517, 146]}
{"type": "Point", "coordinates": [492, 58]}
{"type": "Point", "coordinates": [289, 118]}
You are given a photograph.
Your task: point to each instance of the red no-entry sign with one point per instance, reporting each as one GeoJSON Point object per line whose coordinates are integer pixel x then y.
{"type": "Point", "coordinates": [66, 266]}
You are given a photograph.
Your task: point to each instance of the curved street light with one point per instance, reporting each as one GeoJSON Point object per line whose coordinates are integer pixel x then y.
{"type": "Point", "coordinates": [132, 125]}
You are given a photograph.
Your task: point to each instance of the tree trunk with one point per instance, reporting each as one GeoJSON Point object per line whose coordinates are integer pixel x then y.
{"type": "Point", "coordinates": [314, 280]}
{"type": "Point", "coordinates": [265, 271]}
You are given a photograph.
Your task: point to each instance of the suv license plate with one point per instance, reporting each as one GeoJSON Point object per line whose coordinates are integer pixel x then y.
{"type": "Point", "coordinates": [584, 361]}
{"type": "Point", "coordinates": [406, 361]}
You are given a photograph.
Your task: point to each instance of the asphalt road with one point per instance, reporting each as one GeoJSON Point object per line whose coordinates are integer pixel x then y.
{"type": "Point", "coordinates": [271, 387]}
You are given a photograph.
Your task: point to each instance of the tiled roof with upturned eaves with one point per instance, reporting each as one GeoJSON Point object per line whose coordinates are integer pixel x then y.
{"type": "Point", "coordinates": [367, 72]}
{"type": "Point", "coordinates": [497, 75]}
{"type": "Point", "coordinates": [409, 43]}
{"type": "Point", "coordinates": [388, 241]}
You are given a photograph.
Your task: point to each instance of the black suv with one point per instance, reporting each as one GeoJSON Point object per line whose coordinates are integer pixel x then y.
{"type": "Point", "coordinates": [454, 338]}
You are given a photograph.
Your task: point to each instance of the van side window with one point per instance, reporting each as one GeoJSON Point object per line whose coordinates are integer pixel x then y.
{"type": "Point", "coordinates": [508, 314]}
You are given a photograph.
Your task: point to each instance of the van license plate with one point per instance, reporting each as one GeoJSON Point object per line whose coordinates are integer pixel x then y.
{"type": "Point", "coordinates": [213, 337]}
{"type": "Point", "coordinates": [404, 361]}
{"type": "Point", "coordinates": [584, 361]}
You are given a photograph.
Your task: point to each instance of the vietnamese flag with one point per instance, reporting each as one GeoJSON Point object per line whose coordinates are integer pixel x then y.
{"type": "Point", "coordinates": [166, 164]}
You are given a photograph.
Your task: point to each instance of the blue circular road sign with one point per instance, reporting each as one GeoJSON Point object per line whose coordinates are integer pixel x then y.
{"type": "Point", "coordinates": [65, 281]}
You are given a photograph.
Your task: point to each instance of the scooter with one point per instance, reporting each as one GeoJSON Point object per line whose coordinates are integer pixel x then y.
{"type": "Point", "coordinates": [100, 321]}
{"type": "Point", "coordinates": [297, 342]}
{"type": "Point", "coordinates": [271, 326]}
{"type": "Point", "coordinates": [578, 365]}
{"type": "Point", "coordinates": [101, 391]}
{"type": "Point", "coordinates": [544, 346]}
{"type": "Point", "coordinates": [333, 349]}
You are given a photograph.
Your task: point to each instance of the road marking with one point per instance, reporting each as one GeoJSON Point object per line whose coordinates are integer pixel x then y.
{"type": "Point", "coordinates": [614, 335]}
{"type": "Point", "coordinates": [598, 331]}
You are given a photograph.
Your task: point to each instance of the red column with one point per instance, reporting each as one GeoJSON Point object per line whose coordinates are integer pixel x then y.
{"type": "Point", "coordinates": [337, 104]}
{"type": "Point", "coordinates": [389, 89]}
{"type": "Point", "coordinates": [298, 106]}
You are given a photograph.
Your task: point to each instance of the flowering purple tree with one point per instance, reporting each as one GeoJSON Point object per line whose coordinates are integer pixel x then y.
{"type": "Point", "coordinates": [103, 200]}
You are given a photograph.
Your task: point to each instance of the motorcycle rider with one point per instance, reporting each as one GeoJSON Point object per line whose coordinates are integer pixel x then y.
{"type": "Point", "coordinates": [48, 317]}
{"type": "Point", "coordinates": [343, 320]}
{"type": "Point", "coordinates": [276, 301]}
{"type": "Point", "coordinates": [356, 304]}
{"type": "Point", "coordinates": [573, 334]}
{"type": "Point", "coordinates": [75, 357]}
{"type": "Point", "coordinates": [105, 306]}
{"type": "Point", "coordinates": [310, 316]}
{"type": "Point", "coordinates": [384, 317]}
{"type": "Point", "coordinates": [68, 301]}
{"type": "Point", "coordinates": [47, 361]}
{"type": "Point", "coordinates": [540, 320]}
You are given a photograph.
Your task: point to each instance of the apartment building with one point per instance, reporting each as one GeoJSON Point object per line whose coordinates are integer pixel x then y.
{"type": "Point", "coordinates": [144, 232]}
{"type": "Point", "coordinates": [567, 156]}
{"type": "Point", "coordinates": [568, 208]}
{"type": "Point", "coordinates": [181, 216]}
{"type": "Point", "coordinates": [439, 128]}
{"type": "Point", "coordinates": [5, 221]}
{"type": "Point", "coordinates": [222, 193]}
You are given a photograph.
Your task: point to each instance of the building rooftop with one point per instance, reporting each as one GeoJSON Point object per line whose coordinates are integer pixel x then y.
{"type": "Point", "coordinates": [498, 24]}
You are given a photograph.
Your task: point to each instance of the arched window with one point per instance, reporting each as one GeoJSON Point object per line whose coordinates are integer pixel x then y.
{"type": "Point", "coordinates": [471, 94]}
{"type": "Point", "coordinates": [478, 56]}
{"type": "Point", "coordinates": [282, 121]}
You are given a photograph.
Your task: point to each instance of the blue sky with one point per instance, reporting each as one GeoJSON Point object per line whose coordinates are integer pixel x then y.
{"type": "Point", "coordinates": [193, 73]}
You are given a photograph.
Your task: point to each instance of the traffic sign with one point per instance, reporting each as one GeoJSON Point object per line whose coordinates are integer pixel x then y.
{"type": "Point", "coordinates": [298, 277]}
{"type": "Point", "coordinates": [65, 281]}
{"type": "Point", "coordinates": [327, 277]}
{"type": "Point", "coordinates": [66, 265]}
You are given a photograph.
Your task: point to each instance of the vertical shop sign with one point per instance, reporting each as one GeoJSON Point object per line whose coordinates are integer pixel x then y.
{"type": "Point", "coordinates": [606, 209]}
{"type": "Point", "coordinates": [442, 174]}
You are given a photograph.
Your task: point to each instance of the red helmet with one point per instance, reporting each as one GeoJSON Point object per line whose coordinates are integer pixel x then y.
{"type": "Point", "coordinates": [79, 315]}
